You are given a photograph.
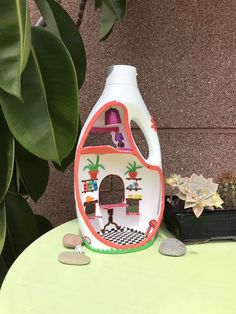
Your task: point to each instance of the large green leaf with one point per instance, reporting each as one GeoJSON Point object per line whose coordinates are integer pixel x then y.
{"type": "Point", "coordinates": [118, 7]}
{"type": "Point", "coordinates": [34, 172]}
{"type": "Point", "coordinates": [43, 224]}
{"type": "Point", "coordinates": [3, 269]}
{"type": "Point", "coordinates": [60, 23]}
{"type": "Point", "coordinates": [97, 4]}
{"type": "Point", "coordinates": [21, 222]}
{"type": "Point", "coordinates": [8, 253]}
{"type": "Point", "coordinates": [14, 44]}
{"type": "Point", "coordinates": [107, 22]}
{"type": "Point", "coordinates": [71, 157]}
{"type": "Point", "coordinates": [6, 156]}
{"type": "Point", "coordinates": [46, 123]}
{"type": "Point", "coordinates": [2, 225]}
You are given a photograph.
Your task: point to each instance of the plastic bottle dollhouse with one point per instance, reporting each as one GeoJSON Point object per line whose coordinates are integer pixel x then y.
{"type": "Point", "coordinates": [119, 194]}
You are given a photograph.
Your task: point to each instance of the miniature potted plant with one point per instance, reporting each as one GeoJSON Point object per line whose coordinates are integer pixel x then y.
{"type": "Point", "coordinates": [93, 168]}
{"type": "Point", "coordinates": [132, 170]}
{"type": "Point", "coordinates": [195, 213]}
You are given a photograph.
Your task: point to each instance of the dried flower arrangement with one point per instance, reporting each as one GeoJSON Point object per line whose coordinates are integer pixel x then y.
{"type": "Point", "coordinates": [197, 192]}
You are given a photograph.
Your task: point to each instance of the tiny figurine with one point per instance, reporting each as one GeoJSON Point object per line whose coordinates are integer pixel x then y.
{"type": "Point", "coordinates": [119, 138]}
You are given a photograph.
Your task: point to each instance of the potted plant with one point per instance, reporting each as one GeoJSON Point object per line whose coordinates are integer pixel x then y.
{"type": "Point", "coordinates": [93, 168]}
{"type": "Point", "coordinates": [33, 87]}
{"type": "Point", "coordinates": [227, 189]}
{"type": "Point", "coordinates": [132, 170]}
{"type": "Point", "coordinates": [195, 213]}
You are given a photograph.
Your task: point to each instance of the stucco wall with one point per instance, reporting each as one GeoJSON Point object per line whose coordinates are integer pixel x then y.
{"type": "Point", "coordinates": [185, 54]}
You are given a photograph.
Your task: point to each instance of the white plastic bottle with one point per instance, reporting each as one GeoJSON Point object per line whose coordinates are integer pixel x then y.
{"type": "Point", "coordinates": [119, 194]}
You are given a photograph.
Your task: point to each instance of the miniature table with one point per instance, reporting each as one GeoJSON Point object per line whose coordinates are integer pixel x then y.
{"type": "Point", "coordinates": [145, 282]}
{"type": "Point", "coordinates": [110, 209]}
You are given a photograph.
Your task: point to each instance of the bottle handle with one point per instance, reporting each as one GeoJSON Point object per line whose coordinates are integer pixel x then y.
{"type": "Point", "coordinates": [147, 125]}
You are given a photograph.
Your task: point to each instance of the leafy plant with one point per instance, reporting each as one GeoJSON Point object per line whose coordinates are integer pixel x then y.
{"type": "Point", "coordinates": [197, 192]}
{"type": "Point", "coordinates": [132, 167]}
{"type": "Point", "coordinates": [42, 69]}
{"type": "Point", "coordinates": [227, 189]}
{"type": "Point", "coordinates": [94, 166]}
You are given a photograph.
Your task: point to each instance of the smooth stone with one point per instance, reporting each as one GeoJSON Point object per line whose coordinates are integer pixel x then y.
{"type": "Point", "coordinates": [73, 258]}
{"type": "Point", "coordinates": [71, 240]}
{"type": "Point", "coordinates": [172, 247]}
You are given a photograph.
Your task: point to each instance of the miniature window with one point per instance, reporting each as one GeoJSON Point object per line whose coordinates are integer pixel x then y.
{"type": "Point", "coordinates": [112, 190]}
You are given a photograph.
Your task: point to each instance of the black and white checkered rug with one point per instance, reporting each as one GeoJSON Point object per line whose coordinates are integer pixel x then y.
{"type": "Point", "coordinates": [123, 236]}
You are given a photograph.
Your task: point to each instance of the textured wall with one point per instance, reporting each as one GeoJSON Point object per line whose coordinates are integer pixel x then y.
{"type": "Point", "coordinates": [185, 53]}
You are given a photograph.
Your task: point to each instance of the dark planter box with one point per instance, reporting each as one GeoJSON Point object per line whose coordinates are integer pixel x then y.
{"type": "Point", "coordinates": [211, 225]}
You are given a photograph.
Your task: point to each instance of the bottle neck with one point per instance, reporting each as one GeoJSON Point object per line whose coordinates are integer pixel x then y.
{"type": "Point", "coordinates": [122, 75]}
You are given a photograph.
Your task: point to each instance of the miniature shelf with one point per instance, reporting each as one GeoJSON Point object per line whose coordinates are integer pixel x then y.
{"type": "Point", "coordinates": [136, 179]}
{"type": "Point", "coordinates": [104, 149]}
{"type": "Point", "coordinates": [91, 202]}
{"type": "Point", "coordinates": [133, 214]}
{"type": "Point", "coordinates": [133, 198]}
{"type": "Point", "coordinates": [102, 130]}
{"type": "Point", "coordinates": [133, 189]}
{"type": "Point", "coordinates": [89, 180]}
{"type": "Point", "coordinates": [89, 191]}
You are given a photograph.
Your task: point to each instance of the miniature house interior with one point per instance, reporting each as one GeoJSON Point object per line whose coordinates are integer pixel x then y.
{"type": "Point", "coordinates": [117, 189]}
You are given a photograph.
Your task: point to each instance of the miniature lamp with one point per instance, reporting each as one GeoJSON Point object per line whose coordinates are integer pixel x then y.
{"type": "Point", "coordinates": [112, 116]}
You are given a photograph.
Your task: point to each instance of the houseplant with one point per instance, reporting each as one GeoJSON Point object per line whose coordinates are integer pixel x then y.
{"type": "Point", "coordinates": [195, 213]}
{"type": "Point", "coordinates": [93, 167]}
{"type": "Point", "coordinates": [227, 189]}
{"type": "Point", "coordinates": [41, 72]}
{"type": "Point", "coordinates": [132, 169]}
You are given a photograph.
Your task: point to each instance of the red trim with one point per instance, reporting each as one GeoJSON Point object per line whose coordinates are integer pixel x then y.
{"type": "Point", "coordinates": [103, 150]}
{"type": "Point", "coordinates": [80, 150]}
{"type": "Point", "coordinates": [153, 124]}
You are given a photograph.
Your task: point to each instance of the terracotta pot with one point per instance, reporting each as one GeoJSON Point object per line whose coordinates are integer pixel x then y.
{"type": "Point", "coordinates": [93, 174]}
{"type": "Point", "coordinates": [133, 175]}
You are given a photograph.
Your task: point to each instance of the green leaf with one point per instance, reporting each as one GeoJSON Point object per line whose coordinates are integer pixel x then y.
{"type": "Point", "coordinates": [91, 162]}
{"type": "Point", "coordinates": [60, 23]}
{"type": "Point", "coordinates": [8, 253]}
{"type": "Point", "coordinates": [101, 166]}
{"type": "Point", "coordinates": [70, 158]}
{"type": "Point", "coordinates": [14, 44]}
{"type": "Point", "coordinates": [21, 222]}
{"type": "Point", "coordinates": [107, 22]}
{"type": "Point", "coordinates": [118, 7]}
{"type": "Point", "coordinates": [98, 4]}
{"type": "Point", "coordinates": [2, 225]}
{"type": "Point", "coordinates": [6, 156]}
{"type": "Point", "coordinates": [34, 172]}
{"type": "Point", "coordinates": [46, 123]}
{"type": "Point", "coordinates": [43, 224]}
{"type": "Point", "coordinates": [3, 269]}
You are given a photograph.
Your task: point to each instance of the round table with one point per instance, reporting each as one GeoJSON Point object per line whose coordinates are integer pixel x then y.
{"type": "Point", "coordinates": [202, 281]}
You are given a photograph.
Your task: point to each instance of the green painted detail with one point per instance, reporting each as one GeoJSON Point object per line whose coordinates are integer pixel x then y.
{"type": "Point", "coordinates": [93, 166]}
{"type": "Point", "coordinates": [132, 167]}
{"type": "Point", "coordinates": [120, 251]}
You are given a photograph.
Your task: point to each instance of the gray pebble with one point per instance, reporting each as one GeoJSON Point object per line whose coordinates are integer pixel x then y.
{"type": "Point", "coordinates": [172, 247]}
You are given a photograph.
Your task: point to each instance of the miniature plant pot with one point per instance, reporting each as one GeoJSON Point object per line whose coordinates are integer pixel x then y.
{"type": "Point", "coordinates": [133, 174]}
{"type": "Point", "coordinates": [93, 174]}
{"type": "Point", "coordinates": [211, 225]}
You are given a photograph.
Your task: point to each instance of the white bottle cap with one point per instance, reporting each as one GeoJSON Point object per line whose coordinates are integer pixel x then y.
{"type": "Point", "coordinates": [121, 74]}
